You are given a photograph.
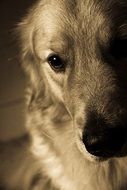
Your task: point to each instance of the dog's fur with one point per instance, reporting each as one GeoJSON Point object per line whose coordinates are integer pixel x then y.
{"type": "Point", "coordinates": [80, 31]}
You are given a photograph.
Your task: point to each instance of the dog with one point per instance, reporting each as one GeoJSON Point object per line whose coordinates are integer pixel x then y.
{"type": "Point", "coordinates": [75, 56]}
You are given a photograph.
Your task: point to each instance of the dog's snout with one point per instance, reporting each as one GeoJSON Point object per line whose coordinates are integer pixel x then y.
{"type": "Point", "coordinates": [104, 140]}
{"type": "Point", "coordinates": [106, 144]}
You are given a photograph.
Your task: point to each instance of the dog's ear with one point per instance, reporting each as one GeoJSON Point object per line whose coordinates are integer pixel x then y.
{"type": "Point", "coordinates": [37, 88]}
{"type": "Point", "coordinates": [25, 32]}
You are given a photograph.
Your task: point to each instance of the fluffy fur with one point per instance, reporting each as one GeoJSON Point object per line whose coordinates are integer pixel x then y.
{"type": "Point", "coordinates": [52, 155]}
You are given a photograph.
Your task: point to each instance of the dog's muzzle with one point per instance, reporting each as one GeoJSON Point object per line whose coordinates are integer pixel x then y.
{"type": "Point", "coordinates": [103, 140]}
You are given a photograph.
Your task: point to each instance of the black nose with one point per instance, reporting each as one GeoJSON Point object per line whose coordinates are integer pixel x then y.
{"type": "Point", "coordinates": [103, 140]}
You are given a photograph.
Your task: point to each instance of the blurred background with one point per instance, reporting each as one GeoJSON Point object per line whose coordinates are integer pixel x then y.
{"type": "Point", "coordinates": [12, 78]}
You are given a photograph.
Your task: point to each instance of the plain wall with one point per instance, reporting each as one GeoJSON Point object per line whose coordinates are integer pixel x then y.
{"type": "Point", "coordinates": [12, 79]}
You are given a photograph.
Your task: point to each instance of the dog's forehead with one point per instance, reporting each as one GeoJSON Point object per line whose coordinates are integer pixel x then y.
{"type": "Point", "coordinates": [66, 21]}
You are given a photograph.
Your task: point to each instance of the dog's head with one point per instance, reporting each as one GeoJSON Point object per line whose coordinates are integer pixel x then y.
{"type": "Point", "coordinates": [76, 55]}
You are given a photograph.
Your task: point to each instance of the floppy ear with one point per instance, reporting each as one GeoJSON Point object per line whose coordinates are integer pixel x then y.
{"type": "Point", "coordinates": [25, 30]}
{"type": "Point", "coordinates": [37, 88]}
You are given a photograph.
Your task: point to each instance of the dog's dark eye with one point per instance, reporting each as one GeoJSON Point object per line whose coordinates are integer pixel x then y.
{"type": "Point", "coordinates": [119, 48]}
{"type": "Point", "coordinates": [56, 63]}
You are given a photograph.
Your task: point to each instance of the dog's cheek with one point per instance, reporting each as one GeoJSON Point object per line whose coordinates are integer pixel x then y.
{"type": "Point", "coordinates": [54, 81]}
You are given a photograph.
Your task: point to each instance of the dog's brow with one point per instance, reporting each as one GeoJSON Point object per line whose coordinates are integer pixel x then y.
{"type": "Point", "coordinates": [58, 45]}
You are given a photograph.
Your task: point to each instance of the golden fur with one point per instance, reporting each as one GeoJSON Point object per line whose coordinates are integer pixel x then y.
{"type": "Point", "coordinates": [52, 155]}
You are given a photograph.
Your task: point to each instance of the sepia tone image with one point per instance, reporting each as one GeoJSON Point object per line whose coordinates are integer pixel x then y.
{"type": "Point", "coordinates": [63, 95]}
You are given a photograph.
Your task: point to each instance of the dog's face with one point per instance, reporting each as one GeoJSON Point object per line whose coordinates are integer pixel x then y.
{"type": "Point", "coordinates": [79, 51]}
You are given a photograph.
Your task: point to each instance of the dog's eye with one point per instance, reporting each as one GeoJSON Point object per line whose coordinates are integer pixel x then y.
{"type": "Point", "coordinates": [56, 63]}
{"type": "Point", "coordinates": [119, 48]}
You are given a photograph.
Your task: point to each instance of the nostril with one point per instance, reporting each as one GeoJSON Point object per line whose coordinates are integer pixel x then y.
{"type": "Point", "coordinates": [106, 143]}
{"type": "Point", "coordinates": [93, 144]}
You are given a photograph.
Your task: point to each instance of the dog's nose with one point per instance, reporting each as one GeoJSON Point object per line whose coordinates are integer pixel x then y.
{"type": "Point", "coordinates": [101, 138]}
{"type": "Point", "coordinates": [106, 143]}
